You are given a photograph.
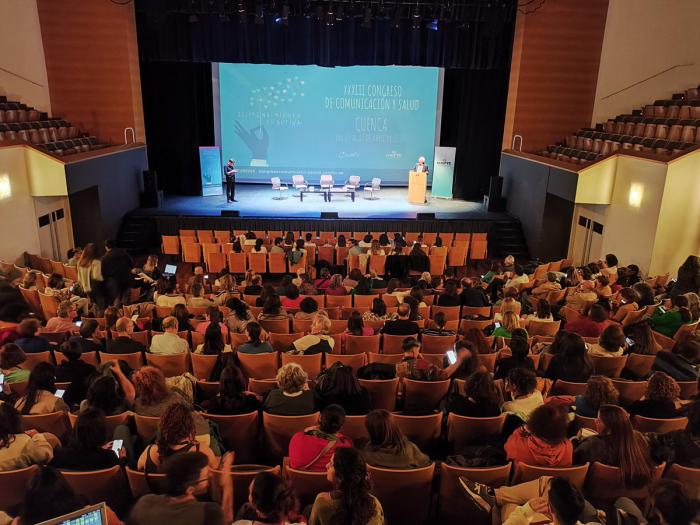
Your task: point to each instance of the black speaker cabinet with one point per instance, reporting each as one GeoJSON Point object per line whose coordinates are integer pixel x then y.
{"type": "Point", "coordinates": [329, 214]}
{"type": "Point", "coordinates": [230, 213]}
{"type": "Point", "coordinates": [495, 200]}
{"type": "Point", "coordinates": [150, 181]}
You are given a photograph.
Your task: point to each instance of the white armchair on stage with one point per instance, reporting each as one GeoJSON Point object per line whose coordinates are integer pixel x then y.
{"type": "Point", "coordinates": [279, 187]}
{"type": "Point", "coordinates": [299, 182]}
{"type": "Point", "coordinates": [326, 182]}
{"type": "Point", "coordinates": [373, 187]}
{"type": "Point", "coordinates": [353, 183]}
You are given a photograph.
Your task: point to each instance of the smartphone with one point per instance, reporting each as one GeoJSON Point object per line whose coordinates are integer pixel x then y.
{"type": "Point", "coordinates": [206, 276]}
{"type": "Point", "coordinates": [2, 379]}
{"type": "Point", "coordinates": [451, 357]}
{"type": "Point", "coordinates": [497, 325]}
{"type": "Point", "coordinates": [629, 341]}
{"type": "Point", "coordinates": [135, 317]}
{"type": "Point", "coordinates": [79, 323]}
{"type": "Point", "coordinates": [117, 446]}
{"type": "Point", "coordinates": [59, 393]}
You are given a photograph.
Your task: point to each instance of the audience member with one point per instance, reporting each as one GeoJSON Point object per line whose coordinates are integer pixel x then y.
{"type": "Point", "coordinates": [680, 446]}
{"type": "Point", "coordinates": [239, 317]}
{"type": "Point", "coordinates": [19, 449]}
{"type": "Point", "coordinates": [521, 387]}
{"type": "Point", "coordinates": [308, 309]}
{"type": "Point", "coordinates": [350, 501]}
{"type": "Point", "coordinates": [86, 338]}
{"type": "Point", "coordinates": [213, 342]}
{"type": "Point", "coordinates": [591, 324]}
{"type": "Point", "coordinates": [473, 294]}
{"type": "Point", "coordinates": [272, 310]}
{"type": "Point", "coordinates": [611, 344]}
{"type": "Point", "coordinates": [122, 343]}
{"type": "Point", "coordinates": [440, 321]}
{"type": "Point", "coordinates": [63, 322]}
{"type": "Point", "coordinates": [270, 500]}
{"type": "Point", "coordinates": [542, 441]}
{"type": "Point", "coordinates": [75, 371]}
{"type": "Point", "coordinates": [11, 357]}
{"type": "Point", "coordinates": [509, 323]}
{"type": "Point", "coordinates": [336, 286]}
{"type": "Point", "coordinates": [317, 341]}
{"type": "Point", "coordinates": [40, 397]}
{"type": "Point", "coordinates": [480, 398]}
{"type": "Point", "coordinates": [339, 386]}
{"type": "Point", "coordinates": [519, 356]}
{"type": "Point", "coordinates": [377, 312]}
{"type": "Point", "coordinates": [667, 322]}
{"type": "Point", "coordinates": [313, 448]}
{"type": "Point", "coordinates": [571, 362]}
{"type": "Point", "coordinates": [198, 300]}
{"type": "Point", "coordinates": [688, 277]}
{"type": "Point", "coordinates": [232, 397]}
{"type": "Point", "coordinates": [169, 343]}
{"type": "Point", "coordinates": [660, 400]}
{"type": "Point", "coordinates": [600, 390]}
{"type": "Point", "coordinates": [28, 341]}
{"type": "Point", "coordinates": [401, 325]}
{"type": "Point", "coordinates": [387, 446]}
{"type": "Point", "coordinates": [254, 345]}
{"type": "Point", "coordinates": [292, 398]}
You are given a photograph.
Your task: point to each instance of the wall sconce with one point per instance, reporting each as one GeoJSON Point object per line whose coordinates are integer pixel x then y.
{"type": "Point", "coordinates": [5, 187]}
{"type": "Point", "coordinates": [636, 195]}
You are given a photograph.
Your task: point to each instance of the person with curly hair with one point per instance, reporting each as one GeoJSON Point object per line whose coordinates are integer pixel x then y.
{"type": "Point", "coordinates": [542, 441]}
{"type": "Point", "coordinates": [599, 391]}
{"type": "Point", "coordinates": [350, 502]}
{"type": "Point", "coordinates": [293, 398]}
{"type": "Point", "coordinates": [480, 399]}
{"type": "Point", "coordinates": [270, 500]}
{"type": "Point", "coordinates": [176, 435]}
{"type": "Point", "coordinates": [660, 400]}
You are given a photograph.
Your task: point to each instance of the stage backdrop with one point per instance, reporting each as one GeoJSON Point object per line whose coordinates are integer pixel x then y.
{"type": "Point", "coordinates": [371, 121]}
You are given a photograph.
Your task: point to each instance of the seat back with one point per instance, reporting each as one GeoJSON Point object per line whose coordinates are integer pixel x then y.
{"type": "Point", "coordinates": [451, 312]}
{"type": "Point", "coordinates": [567, 388]}
{"type": "Point", "coordinates": [359, 344]}
{"type": "Point", "coordinates": [55, 422]}
{"type": "Point", "coordinates": [424, 395]}
{"type": "Point", "coordinates": [609, 366]}
{"type": "Point", "coordinates": [32, 299]}
{"type": "Point", "coordinates": [97, 485]}
{"type": "Point", "coordinates": [575, 475]}
{"type": "Point", "coordinates": [89, 357]}
{"type": "Point", "coordinates": [326, 180]}
{"type": "Point", "coordinates": [146, 427]}
{"type": "Point", "coordinates": [451, 506]}
{"type": "Point", "coordinates": [605, 484]}
{"type": "Point", "coordinates": [689, 478]}
{"type": "Point", "coordinates": [689, 389]}
{"type": "Point", "coordinates": [49, 305]}
{"type": "Point", "coordinates": [659, 426]}
{"type": "Point", "coordinates": [242, 476]}
{"type": "Point", "coordinates": [135, 360]}
{"type": "Point", "coordinates": [170, 365]}
{"type": "Point", "coordinates": [545, 328]}
{"type": "Point", "coordinates": [382, 392]}
{"type": "Point", "coordinates": [202, 365]}
{"type": "Point", "coordinates": [191, 252]}
{"type": "Point", "coordinates": [424, 431]}
{"type": "Point", "coordinates": [239, 433]}
{"type": "Point", "coordinates": [640, 365]}
{"type": "Point", "coordinates": [307, 485]}
{"type": "Point", "coordinates": [13, 487]}
{"type": "Point", "coordinates": [257, 262]}
{"type": "Point", "coordinates": [258, 366]}
{"type": "Point", "coordinates": [404, 494]}
{"type": "Point", "coordinates": [437, 344]}
{"type": "Point", "coordinates": [354, 361]}
{"type": "Point", "coordinates": [237, 262]}
{"type": "Point", "coordinates": [630, 391]}
{"type": "Point", "coordinates": [140, 486]}
{"type": "Point", "coordinates": [297, 180]}
{"type": "Point", "coordinates": [282, 342]}
{"type": "Point", "coordinates": [310, 363]}
{"type": "Point", "coordinates": [393, 344]}
{"type": "Point", "coordinates": [277, 326]}
{"type": "Point", "coordinates": [463, 431]}
{"type": "Point", "coordinates": [34, 359]}
{"type": "Point", "coordinates": [279, 430]}
{"type": "Point", "coordinates": [170, 244]}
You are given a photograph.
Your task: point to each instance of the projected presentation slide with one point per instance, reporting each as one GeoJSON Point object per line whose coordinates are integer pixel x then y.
{"type": "Point", "coordinates": [279, 121]}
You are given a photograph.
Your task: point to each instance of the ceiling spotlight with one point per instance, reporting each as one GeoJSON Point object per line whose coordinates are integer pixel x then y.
{"type": "Point", "coordinates": [330, 16]}
{"type": "Point", "coordinates": [415, 18]}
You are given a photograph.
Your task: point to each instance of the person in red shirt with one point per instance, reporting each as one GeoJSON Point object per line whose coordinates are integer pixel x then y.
{"type": "Point", "coordinates": [313, 448]}
{"type": "Point", "coordinates": [542, 440]}
{"type": "Point", "coordinates": [591, 325]}
{"type": "Point", "coordinates": [291, 298]}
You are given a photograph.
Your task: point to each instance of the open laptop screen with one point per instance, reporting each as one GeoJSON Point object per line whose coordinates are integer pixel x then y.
{"type": "Point", "coordinates": [92, 515]}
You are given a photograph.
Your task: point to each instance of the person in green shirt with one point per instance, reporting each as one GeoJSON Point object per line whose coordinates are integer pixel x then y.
{"type": "Point", "coordinates": [11, 356]}
{"type": "Point", "coordinates": [350, 500]}
{"type": "Point", "coordinates": [667, 322]}
{"type": "Point", "coordinates": [509, 323]}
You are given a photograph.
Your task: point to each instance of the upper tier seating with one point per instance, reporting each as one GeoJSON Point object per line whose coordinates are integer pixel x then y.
{"type": "Point", "coordinates": [664, 128]}
{"type": "Point", "coordinates": [53, 135]}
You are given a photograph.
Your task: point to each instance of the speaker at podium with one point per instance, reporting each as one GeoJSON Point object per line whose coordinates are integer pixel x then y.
{"type": "Point", "coordinates": [417, 185]}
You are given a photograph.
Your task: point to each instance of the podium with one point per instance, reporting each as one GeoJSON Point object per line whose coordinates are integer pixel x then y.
{"type": "Point", "coordinates": [417, 184]}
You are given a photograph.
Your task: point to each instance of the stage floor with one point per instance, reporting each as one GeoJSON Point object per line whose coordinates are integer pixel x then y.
{"type": "Point", "coordinates": [256, 200]}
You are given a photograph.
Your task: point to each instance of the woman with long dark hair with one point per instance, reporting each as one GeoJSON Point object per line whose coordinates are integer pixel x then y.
{"type": "Point", "coordinates": [86, 449]}
{"type": "Point", "coordinates": [688, 277]}
{"type": "Point", "coordinates": [213, 342]}
{"type": "Point", "coordinates": [480, 398]}
{"type": "Point", "coordinates": [18, 449]}
{"type": "Point", "coordinates": [572, 362]}
{"type": "Point", "coordinates": [270, 501]}
{"type": "Point", "coordinates": [356, 326]}
{"type": "Point", "coordinates": [643, 342]}
{"type": "Point", "coordinates": [232, 397]}
{"type": "Point", "coordinates": [340, 387]}
{"type": "Point", "coordinates": [619, 445]}
{"type": "Point", "coordinates": [388, 447]}
{"type": "Point", "coordinates": [272, 309]}
{"type": "Point", "coordinates": [240, 316]}
{"type": "Point", "coordinates": [468, 359]}
{"type": "Point", "coordinates": [377, 312]}
{"type": "Point", "coordinates": [255, 344]}
{"type": "Point", "coordinates": [349, 503]}
{"type": "Point", "coordinates": [40, 396]}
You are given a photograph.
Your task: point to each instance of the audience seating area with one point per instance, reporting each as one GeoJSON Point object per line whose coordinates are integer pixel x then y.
{"type": "Point", "coordinates": [53, 135]}
{"type": "Point", "coordinates": [664, 128]}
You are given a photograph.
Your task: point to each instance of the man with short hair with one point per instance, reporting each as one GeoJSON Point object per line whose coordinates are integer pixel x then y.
{"type": "Point", "coordinates": [473, 294]}
{"type": "Point", "coordinates": [116, 271]}
{"type": "Point", "coordinates": [197, 300]}
{"type": "Point", "coordinates": [402, 325]}
{"type": "Point", "coordinates": [122, 343]}
{"type": "Point", "coordinates": [168, 343]}
{"type": "Point", "coordinates": [64, 321]}
{"type": "Point", "coordinates": [279, 245]}
{"type": "Point", "coordinates": [186, 477]}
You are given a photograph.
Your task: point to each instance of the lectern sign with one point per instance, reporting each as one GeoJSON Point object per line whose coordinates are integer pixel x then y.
{"type": "Point", "coordinates": [443, 172]}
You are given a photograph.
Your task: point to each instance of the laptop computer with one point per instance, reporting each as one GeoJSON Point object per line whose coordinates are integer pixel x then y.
{"type": "Point", "coordinates": [170, 270]}
{"type": "Point", "coordinates": [92, 515]}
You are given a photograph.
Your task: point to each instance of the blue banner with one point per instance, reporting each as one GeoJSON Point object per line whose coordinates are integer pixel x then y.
{"type": "Point", "coordinates": [211, 168]}
{"type": "Point", "coordinates": [443, 172]}
{"type": "Point", "coordinates": [371, 121]}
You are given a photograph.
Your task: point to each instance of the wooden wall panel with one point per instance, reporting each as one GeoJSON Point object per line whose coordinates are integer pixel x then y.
{"type": "Point", "coordinates": [553, 82]}
{"type": "Point", "coordinates": [92, 65]}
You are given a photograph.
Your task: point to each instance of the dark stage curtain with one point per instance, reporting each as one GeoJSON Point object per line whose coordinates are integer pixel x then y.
{"type": "Point", "coordinates": [179, 116]}
{"type": "Point", "coordinates": [481, 38]}
{"type": "Point", "coordinates": [473, 116]}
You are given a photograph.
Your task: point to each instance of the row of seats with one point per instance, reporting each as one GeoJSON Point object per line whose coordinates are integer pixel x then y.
{"type": "Point", "coordinates": [35, 124]}
{"type": "Point", "coordinates": [41, 135]}
{"type": "Point", "coordinates": [666, 127]}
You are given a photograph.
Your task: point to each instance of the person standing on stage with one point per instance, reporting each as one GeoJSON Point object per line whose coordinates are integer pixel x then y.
{"type": "Point", "coordinates": [230, 173]}
{"type": "Point", "coordinates": [421, 166]}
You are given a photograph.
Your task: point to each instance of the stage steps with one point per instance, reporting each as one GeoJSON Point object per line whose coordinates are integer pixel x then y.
{"type": "Point", "coordinates": [138, 235]}
{"type": "Point", "coordinates": [506, 237]}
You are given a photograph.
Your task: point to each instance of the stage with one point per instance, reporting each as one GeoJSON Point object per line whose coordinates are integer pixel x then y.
{"type": "Point", "coordinates": [257, 200]}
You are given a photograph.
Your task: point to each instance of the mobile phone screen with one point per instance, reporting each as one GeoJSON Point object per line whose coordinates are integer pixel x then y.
{"type": "Point", "coordinates": [497, 325]}
{"type": "Point", "coordinates": [59, 393]}
{"type": "Point", "coordinates": [629, 341]}
{"type": "Point", "coordinates": [135, 316]}
{"type": "Point", "coordinates": [117, 445]}
{"type": "Point", "coordinates": [2, 379]}
{"type": "Point", "coordinates": [79, 323]}
{"type": "Point", "coordinates": [451, 357]}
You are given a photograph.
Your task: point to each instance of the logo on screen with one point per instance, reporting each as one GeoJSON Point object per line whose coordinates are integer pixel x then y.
{"type": "Point", "coordinates": [393, 155]}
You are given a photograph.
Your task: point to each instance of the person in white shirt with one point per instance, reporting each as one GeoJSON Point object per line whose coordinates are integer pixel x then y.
{"type": "Point", "coordinates": [520, 277]}
{"type": "Point", "coordinates": [521, 384]}
{"type": "Point", "coordinates": [168, 343]}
